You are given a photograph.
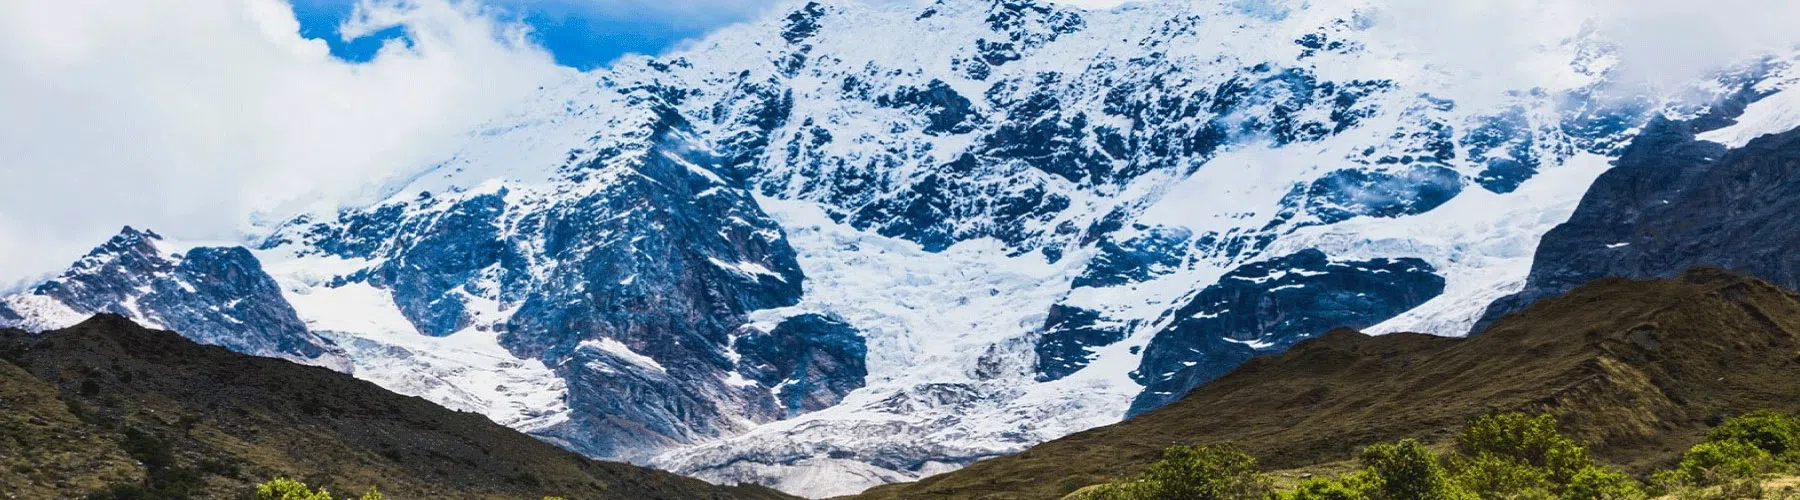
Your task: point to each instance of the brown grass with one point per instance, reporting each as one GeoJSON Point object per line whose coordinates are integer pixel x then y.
{"type": "Point", "coordinates": [239, 420]}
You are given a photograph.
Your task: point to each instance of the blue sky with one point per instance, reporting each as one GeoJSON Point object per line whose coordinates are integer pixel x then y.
{"type": "Point", "coordinates": [583, 34]}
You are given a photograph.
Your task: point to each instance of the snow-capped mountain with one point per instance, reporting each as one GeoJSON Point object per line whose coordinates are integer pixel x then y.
{"type": "Point", "coordinates": [213, 295]}
{"type": "Point", "coordinates": [862, 243]}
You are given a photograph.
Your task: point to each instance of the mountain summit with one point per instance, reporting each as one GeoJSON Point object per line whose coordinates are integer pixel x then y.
{"type": "Point", "coordinates": [859, 243]}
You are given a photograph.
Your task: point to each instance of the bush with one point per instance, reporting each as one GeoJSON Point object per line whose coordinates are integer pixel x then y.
{"type": "Point", "coordinates": [1494, 476]}
{"type": "Point", "coordinates": [1773, 432]}
{"type": "Point", "coordinates": [282, 488]}
{"type": "Point", "coordinates": [1598, 483]}
{"type": "Point", "coordinates": [1408, 471]}
{"type": "Point", "coordinates": [1532, 440]}
{"type": "Point", "coordinates": [1507, 456]}
{"type": "Point", "coordinates": [1221, 472]}
{"type": "Point", "coordinates": [1718, 462]}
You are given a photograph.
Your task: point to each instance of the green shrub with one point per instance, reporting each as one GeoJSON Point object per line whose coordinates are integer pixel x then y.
{"type": "Point", "coordinates": [1599, 483]}
{"type": "Point", "coordinates": [1773, 432]}
{"type": "Point", "coordinates": [282, 488]}
{"type": "Point", "coordinates": [1495, 476]}
{"type": "Point", "coordinates": [1408, 471]}
{"type": "Point", "coordinates": [1221, 472]}
{"type": "Point", "coordinates": [1533, 440]}
{"type": "Point", "coordinates": [1718, 462]}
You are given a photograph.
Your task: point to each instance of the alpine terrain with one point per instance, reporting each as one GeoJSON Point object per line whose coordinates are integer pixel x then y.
{"type": "Point", "coordinates": [857, 243]}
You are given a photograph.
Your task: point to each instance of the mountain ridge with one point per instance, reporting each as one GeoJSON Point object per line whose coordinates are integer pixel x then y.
{"type": "Point", "coordinates": [800, 255]}
{"type": "Point", "coordinates": [1636, 368]}
{"type": "Point", "coordinates": [179, 418]}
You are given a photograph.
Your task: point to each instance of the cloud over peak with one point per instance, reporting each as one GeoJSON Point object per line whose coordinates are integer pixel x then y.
{"type": "Point", "coordinates": [187, 115]}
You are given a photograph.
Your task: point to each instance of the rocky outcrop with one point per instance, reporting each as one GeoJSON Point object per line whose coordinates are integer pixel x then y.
{"type": "Point", "coordinates": [1672, 203]}
{"type": "Point", "coordinates": [1002, 208]}
{"type": "Point", "coordinates": [1270, 306]}
{"type": "Point", "coordinates": [812, 361]}
{"type": "Point", "coordinates": [214, 295]}
{"type": "Point", "coordinates": [627, 272]}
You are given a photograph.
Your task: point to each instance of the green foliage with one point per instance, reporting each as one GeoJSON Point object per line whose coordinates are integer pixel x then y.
{"type": "Point", "coordinates": [1494, 476]}
{"type": "Point", "coordinates": [1407, 470]}
{"type": "Point", "coordinates": [282, 488]}
{"type": "Point", "coordinates": [1718, 462]}
{"type": "Point", "coordinates": [1514, 455]}
{"type": "Point", "coordinates": [1533, 441]}
{"type": "Point", "coordinates": [1773, 432]}
{"type": "Point", "coordinates": [1506, 456]}
{"type": "Point", "coordinates": [1735, 458]}
{"type": "Point", "coordinates": [1220, 472]}
{"type": "Point", "coordinates": [1599, 483]}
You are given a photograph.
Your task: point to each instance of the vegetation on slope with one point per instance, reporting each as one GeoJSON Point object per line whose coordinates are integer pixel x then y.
{"type": "Point", "coordinates": [1504, 456]}
{"type": "Point", "coordinates": [1638, 369]}
{"type": "Point", "coordinates": [108, 409]}
{"type": "Point", "coordinates": [1501, 456]}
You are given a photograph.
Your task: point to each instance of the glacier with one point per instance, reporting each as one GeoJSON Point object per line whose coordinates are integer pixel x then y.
{"type": "Point", "coordinates": [857, 243]}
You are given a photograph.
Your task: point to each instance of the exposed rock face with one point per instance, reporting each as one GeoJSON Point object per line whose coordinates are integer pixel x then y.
{"type": "Point", "coordinates": [627, 273]}
{"type": "Point", "coordinates": [812, 360]}
{"type": "Point", "coordinates": [1270, 306]}
{"type": "Point", "coordinates": [218, 296]}
{"type": "Point", "coordinates": [1637, 369]}
{"type": "Point", "coordinates": [1677, 200]}
{"type": "Point", "coordinates": [1000, 218]}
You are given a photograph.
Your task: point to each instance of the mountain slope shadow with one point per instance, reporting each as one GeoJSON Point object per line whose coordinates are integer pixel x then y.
{"type": "Point", "coordinates": [1636, 368]}
{"type": "Point", "coordinates": [110, 406]}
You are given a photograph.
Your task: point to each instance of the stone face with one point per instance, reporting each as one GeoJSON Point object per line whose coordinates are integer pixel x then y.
{"type": "Point", "coordinates": [1345, 194]}
{"type": "Point", "coordinates": [644, 248]}
{"type": "Point", "coordinates": [1070, 336]}
{"type": "Point", "coordinates": [1270, 306]}
{"type": "Point", "coordinates": [218, 296]}
{"type": "Point", "coordinates": [1675, 202]}
{"type": "Point", "coordinates": [1002, 207]}
{"type": "Point", "coordinates": [813, 360]}
{"type": "Point", "coordinates": [1139, 258]}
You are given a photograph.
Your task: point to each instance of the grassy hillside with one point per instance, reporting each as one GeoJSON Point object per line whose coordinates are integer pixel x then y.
{"type": "Point", "coordinates": [112, 409]}
{"type": "Point", "coordinates": [1636, 368]}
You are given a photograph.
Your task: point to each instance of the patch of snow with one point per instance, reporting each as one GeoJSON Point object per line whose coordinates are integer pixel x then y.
{"type": "Point", "coordinates": [1772, 115]}
{"type": "Point", "coordinates": [467, 370]}
{"type": "Point", "coordinates": [616, 348]}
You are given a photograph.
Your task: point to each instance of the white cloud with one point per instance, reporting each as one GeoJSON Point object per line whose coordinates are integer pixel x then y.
{"type": "Point", "coordinates": [1661, 44]}
{"type": "Point", "coordinates": [185, 116]}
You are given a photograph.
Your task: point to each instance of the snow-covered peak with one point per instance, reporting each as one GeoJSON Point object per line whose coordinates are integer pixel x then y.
{"type": "Point", "coordinates": [214, 295]}
{"type": "Point", "coordinates": [858, 242]}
